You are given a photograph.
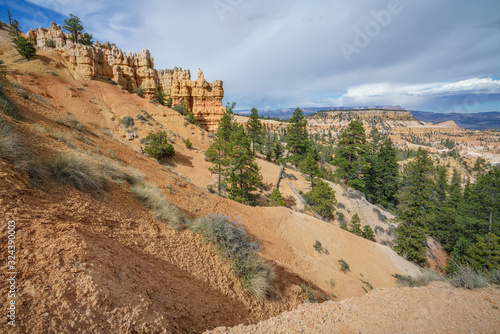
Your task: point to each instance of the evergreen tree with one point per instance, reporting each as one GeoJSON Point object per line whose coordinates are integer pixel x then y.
{"type": "Point", "coordinates": [350, 158]}
{"type": "Point", "coordinates": [25, 47]}
{"type": "Point", "coordinates": [254, 128]}
{"type": "Point", "coordinates": [243, 176]}
{"type": "Point", "coordinates": [87, 39]}
{"type": "Point", "coordinates": [297, 137]}
{"type": "Point", "coordinates": [415, 207]}
{"type": "Point", "coordinates": [14, 30]}
{"type": "Point", "coordinates": [368, 233]}
{"type": "Point", "coordinates": [230, 107]}
{"type": "Point", "coordinates": [322, 198]}
{"type": "Point", "coordinates": [160, 95]}
{"type": "Point", "coordinates": [219, 151]}
{"type": "Point", "coordinates": [309, 166]}
{"type": "Point", "coordinates": [355, 225]}
{"type": "Point", "coordinates": [485, 254]}
{"type": "Point", "coordinates": [276, 198]}
{"type": "Point", "coordinates": [74, 26]}
{"type": "Point", "coordinates": [278, 149]}
{"type": "Point", "coordinates": [441, 185]}
{"type": "Point", "coordinates": [382, 176]}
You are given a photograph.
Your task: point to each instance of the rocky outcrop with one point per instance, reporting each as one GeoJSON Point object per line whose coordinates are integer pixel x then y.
{"type": "Point", "coordinates": [133, 70]}
{"type": "Point", "coordinates": [394, 121]}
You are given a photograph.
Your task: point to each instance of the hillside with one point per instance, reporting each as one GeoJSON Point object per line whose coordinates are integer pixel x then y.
{"type": "Point", "coordinates": [105, 263]}
{"type": "Point", "coordinates": [474, 121]}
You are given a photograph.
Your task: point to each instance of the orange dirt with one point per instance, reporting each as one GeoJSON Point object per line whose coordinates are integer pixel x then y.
{"type": "Point", "coordinates": [437, 308]}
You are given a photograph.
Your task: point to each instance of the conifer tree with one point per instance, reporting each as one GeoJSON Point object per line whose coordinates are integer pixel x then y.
{"type": "Point", "coordinates": [322, 198]}
{"type": "Point", "coordinates": [350, 158]}
{"type": "Point", "coordinates": [74, 26]}
{"type": "Point", "coordinates": [415, 207]}
{"type": "Point", "coordinates": [485, 253]}
{"type": "Point", "coordinates": [219, 151]}
{"type": "Point", "coordinates": [254, 128]}
{"type": "Point", "coordinates": [310, 167]}
{"type": "Point", "coordinates": [243, 175]}
{"type": "Point", "coordinates": [368, 233]}
{"type": "Point", "coordinates": [355, 225]}
{"type": "Point", "coordinates": [297, 137]}
{"type": "Point", "coordinates": [276, 198]}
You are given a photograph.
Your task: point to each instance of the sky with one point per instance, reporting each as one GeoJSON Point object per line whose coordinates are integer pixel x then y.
{"type": "Point", "coordinates": [441, 56]}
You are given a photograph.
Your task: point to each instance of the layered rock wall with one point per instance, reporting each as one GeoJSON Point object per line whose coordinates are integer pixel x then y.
{"type": "Point", "coordinates": [133, 70]}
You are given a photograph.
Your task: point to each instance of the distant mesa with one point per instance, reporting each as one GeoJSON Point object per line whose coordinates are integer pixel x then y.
{"type": "Point", "coordinates": [133, 70]}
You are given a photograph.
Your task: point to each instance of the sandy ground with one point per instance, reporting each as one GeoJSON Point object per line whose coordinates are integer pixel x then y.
{"type": "Point", "coordinates": [437, 308]}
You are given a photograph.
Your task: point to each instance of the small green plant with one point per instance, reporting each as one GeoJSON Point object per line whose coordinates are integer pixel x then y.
{"type": "Point", "coordinates": [309, 295]}
{"type": "Point", "coordinates": [50, 43]}
{"type": "Point", "coordinates": [128, 121]}
{"type": "Point", "coordinates": [233, 243]}
{"type": "Point", "coordinates": [157, 145]}
{"type": "Point", "coordinates": [368, 233]}
{"type": "Point", "coordinates": [318, 247]}
{"type": "Point", "coordinates": [367, 284]}
{"type": "Point", "coordinates": [139, 91]}
{"type": "Point", "coordinates": [188, 143]}
{"type": "Point", "coordinates": [211, 188]}
{"type": "Point", "coordinates": [276, 198]}
{"type": "Point", "coordinates": [344, 267]}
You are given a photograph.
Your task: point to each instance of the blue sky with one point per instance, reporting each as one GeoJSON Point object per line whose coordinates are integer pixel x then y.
{"type": "Point", "coordinates": [424, 55]}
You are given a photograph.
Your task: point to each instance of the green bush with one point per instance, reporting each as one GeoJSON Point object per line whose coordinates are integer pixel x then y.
{"type": "Point", "coordinates": [157, 145]}
{"type": "Point", "coordinates": [344, 267]}
{"type": "Point", "coordinates": [368, 233]}
{"type": "Point", "coordinates": [276, 198]}
{"type": "Point", "coordinates": [188, 143]}
{"type": "Point", "coordinates": [139, 91]}
{"type": "Point", "coordinates": [153, 198]}
{"type": "Point", "coordinates": [233, 243]}
{"type": "Point", "coordinates": [318, 247]}
{"type": "Point", "coordinates": [50, 43]}
{"type": "Point", "coordinates": [128, 121]}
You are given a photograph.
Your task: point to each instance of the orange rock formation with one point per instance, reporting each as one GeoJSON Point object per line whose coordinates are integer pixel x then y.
{"type": "Point", "coordinates": [133, 70]}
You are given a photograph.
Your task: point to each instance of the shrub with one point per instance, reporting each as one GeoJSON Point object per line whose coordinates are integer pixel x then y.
{"type": "Point", "coordinates": [128, 121]}
{"type": "Point", "coordinates": [309, 295]}
{"type": "Point", "coordinates": [139, 91]}
{"type": "Point", "coordinates": [153, 198]}
{"type": "Point", "coordinates": [318, 247]}
{"type": "Point", "coordinates": [425, 277]}
{"type": "Point", "coordinates": [233, 243]}
{"type": "Point", "coordinates": [25, 47]}
{"type": "Point", "coordinates": [468, 278]}
{"type": "Point", "coordinates": [157, 145]}
{"type": "Point", "coordinates": [344, 267]}
{"type": "Point", "coordinates": [10, 109]}
{"type": "Point", "coordinates": [71, 169]}
{"type": "Point", "coordinates": [188, 143]}
{"type": "Point", "coordinates": [11, 147]}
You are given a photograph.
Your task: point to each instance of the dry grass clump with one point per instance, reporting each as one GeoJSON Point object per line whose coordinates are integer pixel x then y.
{"type": "Point", "coordinates": [467, 278]}
{"type": "Point", "coordinates": [118, 173]}
{"type": "Point", "coordinates": [153, 198]}
{"type": "Point", "coordinates": [233, 243]}
{"type": "Point", "coordinates": [423, 279]}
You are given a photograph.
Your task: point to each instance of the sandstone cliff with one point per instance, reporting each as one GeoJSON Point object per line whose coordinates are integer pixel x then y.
{"type": "Point", "coordinates": [133, 70]}
{"type": "Point", "coordinates": [394, 121]}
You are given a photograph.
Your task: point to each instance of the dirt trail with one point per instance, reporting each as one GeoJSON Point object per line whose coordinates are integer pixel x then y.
{"type": "Point", "coordinates": [437, 308]}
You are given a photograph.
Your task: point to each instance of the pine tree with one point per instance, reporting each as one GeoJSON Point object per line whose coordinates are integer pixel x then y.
{"type": "Point", "coordinates": [441, 185]}
{"type": "Point", "coordinates": [243, 175]}
{"type": "Point", "coordinates": [276, 198]}
{"type": "Point", "coordinates": [355, 225]}
{"type": "Point", "coordinates": [309, 166]}
{"type": "Point", "coordinates": [322, 198]}
{"type": "Point", "coordinates": [382, 176]}
{"type": "Point", "coordinates": [297, 137]}
{"type": "Point", "coordinates": [368, 233]}
{"type": "Point", "coordinates": [254, 128]}
{"type": "Point", "coordinates": [219, 151]}
{"type": "Point", "coordinates": [350, 158]}
{"type": "Point", "coordinates": [415, 207]}
{"type": "Point", "coordinates": [74, 26]}
{"type": "Point", "coordinates": [485, 253]}
{"type": "Point", "coordinates": [25, 47]}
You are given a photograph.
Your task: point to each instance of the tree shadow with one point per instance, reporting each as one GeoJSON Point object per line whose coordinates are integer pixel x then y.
{"type": "Point", "coordinates": [181, 159]}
